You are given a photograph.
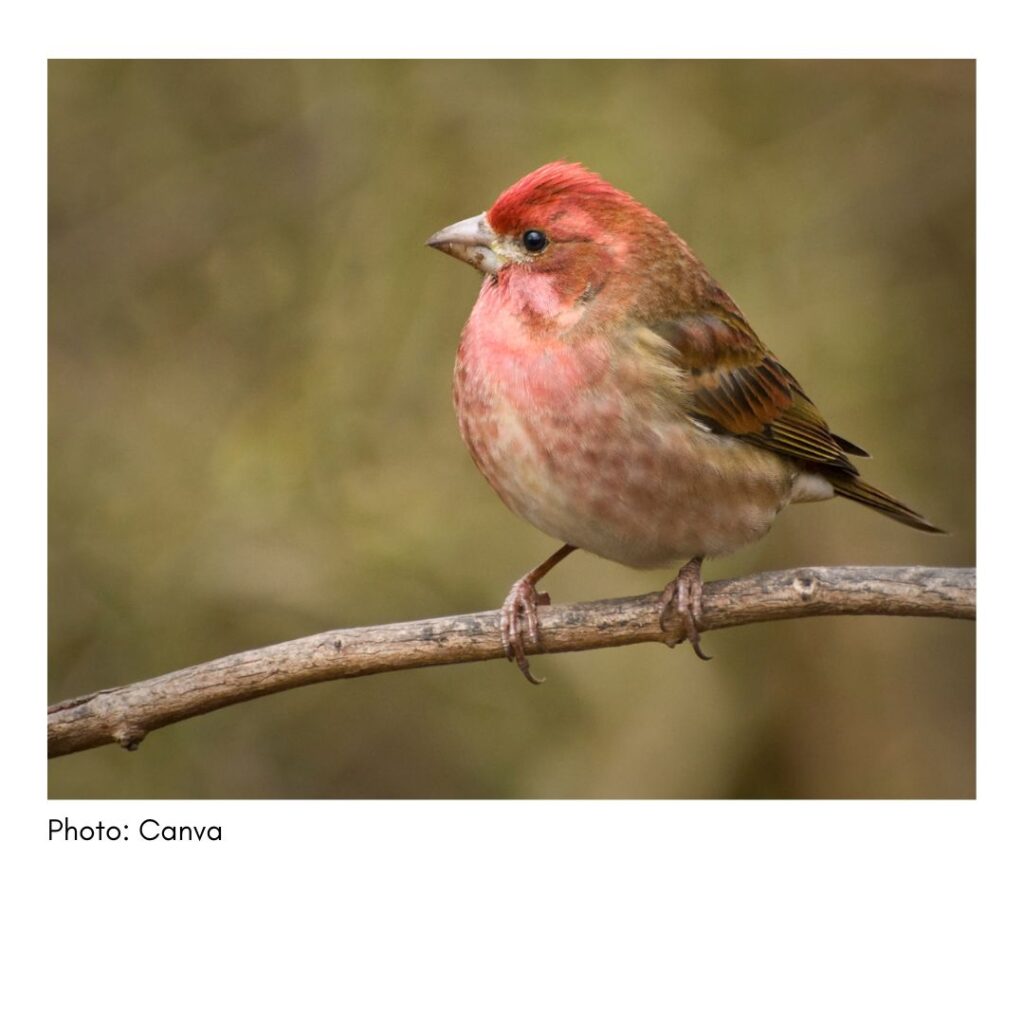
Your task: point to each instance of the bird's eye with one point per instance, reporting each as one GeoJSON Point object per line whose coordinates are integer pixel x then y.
{"type": "Point", "coordinates": [534, 241]}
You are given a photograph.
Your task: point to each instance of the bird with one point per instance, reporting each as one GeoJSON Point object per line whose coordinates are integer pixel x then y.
{"type": "Point", "coordinates": [616, 398]}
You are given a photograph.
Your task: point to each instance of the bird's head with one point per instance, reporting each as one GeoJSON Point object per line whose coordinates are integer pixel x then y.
{"type": "Point", "coordinates": [561, 221]}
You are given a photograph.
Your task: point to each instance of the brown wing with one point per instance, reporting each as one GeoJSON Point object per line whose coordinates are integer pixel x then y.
{"type": "Point", "coordinates": [736, 386]}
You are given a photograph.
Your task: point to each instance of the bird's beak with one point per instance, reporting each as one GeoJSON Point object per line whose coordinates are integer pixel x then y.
{"type": "Point", "coordinates": [471, 240]}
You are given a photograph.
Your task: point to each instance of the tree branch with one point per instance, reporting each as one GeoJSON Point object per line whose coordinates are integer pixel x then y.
{"type": "Point", "coordinates": [126, 714]}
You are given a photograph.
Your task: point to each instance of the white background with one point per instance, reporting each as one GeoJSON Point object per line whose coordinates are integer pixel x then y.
{"type": "Point", "coordinates": [814, 911]}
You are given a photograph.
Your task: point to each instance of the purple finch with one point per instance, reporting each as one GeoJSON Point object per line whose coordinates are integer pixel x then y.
{"type": "Point", "coordinates": [615, 397]}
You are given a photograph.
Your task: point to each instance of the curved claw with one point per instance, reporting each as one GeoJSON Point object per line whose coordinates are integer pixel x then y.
{"type": "Point", "coordinates": [695, 644]}
{"type": "Point", "coordinates": [683, 596]}
{"type": "Point", "coordinates": [519, 608]}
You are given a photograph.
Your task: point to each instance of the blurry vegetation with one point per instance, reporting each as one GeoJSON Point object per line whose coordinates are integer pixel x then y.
{"type": "Point", "coordinates": [251, 435]}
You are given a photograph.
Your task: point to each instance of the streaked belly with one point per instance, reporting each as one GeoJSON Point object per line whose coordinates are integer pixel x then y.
{"type": "Point", "coordinates": [638, 489]}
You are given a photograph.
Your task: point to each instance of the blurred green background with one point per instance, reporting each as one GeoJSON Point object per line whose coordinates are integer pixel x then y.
{"type": "Point", "coordinates": [251, 433]}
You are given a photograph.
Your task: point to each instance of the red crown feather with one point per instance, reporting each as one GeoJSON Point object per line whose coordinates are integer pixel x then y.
{"type": "Point", "coordinates": [546, 185]}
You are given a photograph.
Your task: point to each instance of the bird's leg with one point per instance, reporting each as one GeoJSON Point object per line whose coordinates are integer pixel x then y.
{"type": "Point", "coordinates": [684, 596]}
{"type": "Point", "coordinates": [520, 608]}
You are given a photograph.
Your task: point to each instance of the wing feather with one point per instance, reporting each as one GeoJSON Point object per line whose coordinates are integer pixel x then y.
{"type": "Point", "coordinates": [734, 382]}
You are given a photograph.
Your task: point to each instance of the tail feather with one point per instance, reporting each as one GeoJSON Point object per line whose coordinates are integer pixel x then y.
{"type": "Point", "coordinates": [855, 489]}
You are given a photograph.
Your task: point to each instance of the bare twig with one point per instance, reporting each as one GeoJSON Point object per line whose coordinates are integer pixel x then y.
{"type": "Point", "coordinates": [126, 714]}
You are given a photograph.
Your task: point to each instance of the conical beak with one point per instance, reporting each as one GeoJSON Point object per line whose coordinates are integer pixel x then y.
{"type": "Point", "coordinates": [470, 241]}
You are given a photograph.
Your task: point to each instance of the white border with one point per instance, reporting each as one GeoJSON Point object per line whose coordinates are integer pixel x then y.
{"type": "Point", "coordinates": [567, 911]}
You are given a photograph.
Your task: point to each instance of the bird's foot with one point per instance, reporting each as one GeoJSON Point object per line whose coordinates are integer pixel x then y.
{"type": "Point", "coordinates": [518, 612]}
{"type": "Point", "coordinates": [684, 597]}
